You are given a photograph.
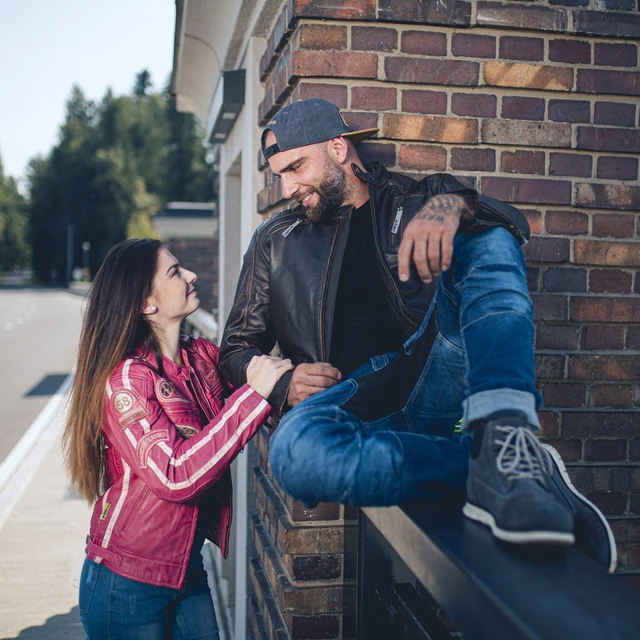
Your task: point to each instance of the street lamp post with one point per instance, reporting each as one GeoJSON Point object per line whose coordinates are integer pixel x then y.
{"type": "Point", "coordinates": [86, 246]}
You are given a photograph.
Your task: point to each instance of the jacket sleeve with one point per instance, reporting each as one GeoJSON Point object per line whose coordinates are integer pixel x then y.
{"type": "Point", "coordinates": [249, 331]}
{"type": "Point", "coordinates": [486, 212]}
{"type": "Point", "coordinates": [173, 468]}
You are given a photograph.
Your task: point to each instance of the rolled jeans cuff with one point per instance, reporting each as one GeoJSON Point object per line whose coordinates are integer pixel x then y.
{"type": "Point", "coordinates": [481, 405]}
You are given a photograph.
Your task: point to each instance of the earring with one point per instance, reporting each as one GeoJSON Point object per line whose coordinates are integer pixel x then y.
{"type": "Point", "coordinates": [154, 309]}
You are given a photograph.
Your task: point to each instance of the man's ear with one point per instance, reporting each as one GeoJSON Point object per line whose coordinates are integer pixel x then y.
{"type": "Point", "coordinates": [339, 149]}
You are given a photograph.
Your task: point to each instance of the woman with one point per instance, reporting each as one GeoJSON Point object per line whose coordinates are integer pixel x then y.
{"type": "Point", "coordinates": [149, 439]}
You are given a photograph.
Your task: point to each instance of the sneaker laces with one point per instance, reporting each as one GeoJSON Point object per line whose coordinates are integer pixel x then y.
{"type": "Point", "coordinates": [521, 455]}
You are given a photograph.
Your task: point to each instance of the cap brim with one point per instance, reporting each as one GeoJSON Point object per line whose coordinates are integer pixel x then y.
{"type": "Point", "coordinates": [359, 136]}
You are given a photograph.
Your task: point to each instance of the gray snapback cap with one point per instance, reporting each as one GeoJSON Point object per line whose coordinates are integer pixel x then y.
{"type": "Point", "coordinates": [308, 122]}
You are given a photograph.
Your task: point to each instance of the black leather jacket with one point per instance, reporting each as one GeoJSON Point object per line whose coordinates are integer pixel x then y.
{"type": "Point", "coordinates": [289, 279]}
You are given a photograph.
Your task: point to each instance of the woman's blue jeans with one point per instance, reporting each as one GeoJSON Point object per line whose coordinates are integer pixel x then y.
{"type": "Point", "coordinates": [113, 607]}
{"type": "Point", "coordinates": [385, 436]}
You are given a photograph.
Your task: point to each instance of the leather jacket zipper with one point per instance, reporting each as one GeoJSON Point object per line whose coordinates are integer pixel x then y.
{"type": "Point", "coordinates": [328, 299]}
{"type": "Point", "coordinates": [200, 396]}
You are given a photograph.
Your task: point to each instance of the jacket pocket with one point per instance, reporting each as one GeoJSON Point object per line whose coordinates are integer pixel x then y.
{"type": "Point", "coordinates": [135, 507]}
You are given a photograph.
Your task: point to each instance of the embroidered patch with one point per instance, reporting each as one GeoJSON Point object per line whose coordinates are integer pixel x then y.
{"type": "Point", "coordinates": [103, 516]}
{"type": "Point", "coordinates": [208, 372]}
{"type": "Point", "coordinates": [145, 444]}
{"type": "Point", "coordinates": [129, 407]}
{"type": "Point", "coordinates": [186, 432]}
{"type": "Point", "coordinates": [164, 389]}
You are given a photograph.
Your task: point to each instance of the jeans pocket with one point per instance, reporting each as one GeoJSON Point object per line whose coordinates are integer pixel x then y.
{"type": "Point", "coordinates": [88, 581]}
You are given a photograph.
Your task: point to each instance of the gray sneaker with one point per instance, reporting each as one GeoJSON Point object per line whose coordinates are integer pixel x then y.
{"type": "Point", "coordinates": [508, 488]}
{"type": "Point", "coordinates": [593, 534]}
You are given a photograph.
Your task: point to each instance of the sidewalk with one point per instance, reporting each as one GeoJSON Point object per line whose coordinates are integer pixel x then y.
{"type": "Point", "coordinates": [41, 545]}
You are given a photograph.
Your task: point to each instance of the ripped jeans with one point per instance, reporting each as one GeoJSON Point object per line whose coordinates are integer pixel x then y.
{"type": "Point", "coordinates": [386, 435]}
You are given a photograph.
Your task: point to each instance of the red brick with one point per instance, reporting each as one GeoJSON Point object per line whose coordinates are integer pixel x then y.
{"type": "Point", "coordinates": [570, 111]}
{"type": "Point", "coordinates": [335, 64]}
{"type": "Point", "coordinates": [528, 76]}
{"type": "Point", "coordinates": [520, 108]}
{"type": "Point", "coordinates": [605, 139]}
{"type": "Point", "coordinates": [416, 101]}
{"type": "Point", "coordinates": [373, 98]}
{"type": "Point", "coordinates": [546, 307]}
{"type": "Point", "coordinates": [603, 337]}
{"type": "Point", "coordinates": [625, 83]}
{"type": "Point", "coordinates": [608, 196]}
{"type": "Point", "coordinates": [617, 168]}
{"type": "Point", "coordinates": [615, 55]}
{"type": "Point", "coordinates": [606, 23]}
{"type": "Point", "coordinates": [451, 14]}
{"type": "Point", "coordinates": [512, 48]}
{"type": "Point", "coordinates": [604, 367]}
{"type": "Point", "coordinates": [504, 16]}
{"type": "Point", "coordinates": [429, 128]}
{"type": "Point", "coordinates": [321, 36]}
{"type": "Point", "coordinates": [571, 51]}
{"type": "Point", "coordinates": [424, 43]}
{"type": "Point", "coordinates": [609, 502]}
{"type": "Point", "coordinates": [531, 134]}
{"type": "Point", "coordinates": [610, 395]}
{"type": "Point", "coordinates": [473, 46]}
{"type": "Point", "coordinates": [601, 450]}
{"type": "Point", "coordinates": [607, 424]}
{"type": "Point", "coordinates": [534, 218]}
{"type": "Point", "coordinates": [527, 190]}
{"type": "Point", "coordinates": [619, 114]}
{"type": "Point", "coordinates": [570, 164]}
{"type": "Point", "coordinates": [606, 253]}
{"type": "Point", "coordinates": [463, 159]}
{"type": "Point", "coordinates": [352, 10]}
{"type": "Point", "coordinates": [432, 71]}
{"type": "Point", "coordinates": [307, 627]}
{"type": "Point", "coordinates": [634, 449]}
{"type": "Point", "coordinates": [474, 104]}
{"type": "Point", "coordinates": [361, 119]}
{"type": "Point", "coordinates": [522, 162]}
{"type": "Point", "coordinates": [565, 280]}
{"type": "Point", "coordinates": [557, 336]}
{"type": "Point", "coordinates": [569, 450]}
{"type": "Point", "coordinates": [564, 395]}
{"type": "Point", "coordinates": [613, 225]}
{"type": "Point", "coordinates": [572, 223]}
{"type": "Point", "coordinates": [549, 423]}
{"type": "Point", "coordinates": [420, 157]}
{"type": "Point", "coordinates": [533, 278]}
{"type": "Point", "coordinates": [609, 281]}
{"type": "Point", "coordinates": [605, 309]}
{"type": "Point", "coordinates": [373, 39]}
{"type": "Point", "coordinates": [336, 93]}
{"type": "Point", "coordinates": [542, 249]}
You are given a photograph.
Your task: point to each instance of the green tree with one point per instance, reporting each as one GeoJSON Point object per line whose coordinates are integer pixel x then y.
{"type": "Point", "coordinates": [14, 247]}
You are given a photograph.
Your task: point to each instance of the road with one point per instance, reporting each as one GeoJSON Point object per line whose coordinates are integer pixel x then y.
{"type": "Point", "coordinates": [39, 333]}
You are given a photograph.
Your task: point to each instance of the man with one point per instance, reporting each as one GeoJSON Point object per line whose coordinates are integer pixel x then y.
{"type": "Point", "coordinates": [413, 294]}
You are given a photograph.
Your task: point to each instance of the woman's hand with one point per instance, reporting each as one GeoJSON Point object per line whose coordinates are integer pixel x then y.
{"type": "Point", "coordinates": [264, 372]}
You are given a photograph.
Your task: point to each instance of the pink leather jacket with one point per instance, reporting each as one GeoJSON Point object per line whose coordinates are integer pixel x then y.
{"type": "Point", "coordinates": [170, 441]}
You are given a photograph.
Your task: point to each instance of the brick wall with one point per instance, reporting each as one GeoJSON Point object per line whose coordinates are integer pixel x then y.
{"type": "Point", "coordinates": [199, 255]}
{"type": "Point", "coordinates": [534, 103]}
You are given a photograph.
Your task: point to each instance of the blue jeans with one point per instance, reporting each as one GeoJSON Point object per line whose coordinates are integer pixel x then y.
{"type": "Point", "coordinates": [386, 434]}
{"type": "Point", "coordinates": [113, 607]}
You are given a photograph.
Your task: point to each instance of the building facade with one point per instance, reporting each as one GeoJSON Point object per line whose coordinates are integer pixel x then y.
{"type": "Point", "coordinates": [533, 103]}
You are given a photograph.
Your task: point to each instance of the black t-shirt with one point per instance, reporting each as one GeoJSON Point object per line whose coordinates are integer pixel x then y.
{"type": "Point", "coordinates": [363, 323]}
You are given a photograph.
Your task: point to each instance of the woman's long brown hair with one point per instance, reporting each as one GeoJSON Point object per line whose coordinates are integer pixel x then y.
{"type": "Point", "coordinates": [113, 327]}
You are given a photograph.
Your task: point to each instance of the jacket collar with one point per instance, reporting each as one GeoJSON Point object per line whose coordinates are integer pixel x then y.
{"type": "Point", "coordinates": [375, 175]}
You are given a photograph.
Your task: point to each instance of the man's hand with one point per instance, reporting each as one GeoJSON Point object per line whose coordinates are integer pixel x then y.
{"type": "Point", "coordinates": [428, 238]}
{"type": "Point", "coordinates": [308, 379]}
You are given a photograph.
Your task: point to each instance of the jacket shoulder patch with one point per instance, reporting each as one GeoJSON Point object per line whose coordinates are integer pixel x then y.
{"type": "Point", "coordinates": [164, 389]}
{"type": "Point", "coordinates": [146, 442]}
{"type": "Point", "coordinates": [129, 408]}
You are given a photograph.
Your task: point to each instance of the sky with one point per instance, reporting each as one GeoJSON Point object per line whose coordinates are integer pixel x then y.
{"type": "Point", "coordinates": [47, 46]}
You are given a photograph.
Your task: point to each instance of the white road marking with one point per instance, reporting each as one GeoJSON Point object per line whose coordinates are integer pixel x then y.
{"type": "Point", "coordinates": [19, 467]}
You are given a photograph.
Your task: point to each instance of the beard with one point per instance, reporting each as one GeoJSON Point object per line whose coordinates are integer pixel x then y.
{"type": "Point", "coordinates": [331, 193]}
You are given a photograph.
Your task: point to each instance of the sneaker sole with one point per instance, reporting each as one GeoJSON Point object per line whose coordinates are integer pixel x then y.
{"type": "Point", "coordinates": [565, 476]}
{"type": "Point", "coordinates": [554, 538]}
